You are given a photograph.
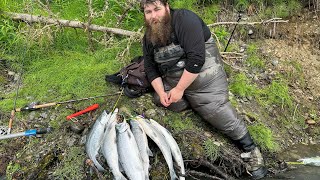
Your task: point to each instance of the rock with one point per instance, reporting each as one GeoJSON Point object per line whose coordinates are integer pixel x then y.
{"type": "Point", "coordinates": [71, 141]}
{"type": "Point", "coordinates": [297, 127]}
{"type": "Point", "coordinates": [11, 73]}
{"type": "Point", "coordinates": [76, 128]}
{"type": "Point", "coordinates": [242, 49]}
{"type": "Point", "coordinates": [32, 115]}
{"type": "Point", "coordinates": [83, 140]}
{"type": "Point", "coordinates": [151, 113]}
{"type": "Point", "coordinates": [207, 134]}
{"type": "Point", "coordinates": [16, 77]}
{"type": "Point", "coordinates": [44, 115]}
{"type": "Point", "coordinates": [274, 62]}
{"type": "Point", "coordinates": [311, 122]}
{"type": "Point", "coordinates": [250, 32]}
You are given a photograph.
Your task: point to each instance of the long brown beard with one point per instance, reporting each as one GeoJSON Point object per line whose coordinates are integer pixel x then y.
{"type": "Point", "coordinates": [159, 33]}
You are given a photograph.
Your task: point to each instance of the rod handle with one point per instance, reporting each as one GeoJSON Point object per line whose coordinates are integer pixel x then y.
{"type": "Point", "coordinates": [11, 121]}
{"type": "Point", "coordinates": [44, 130]}
{"type": "Point", "coordinates": [90, 108]}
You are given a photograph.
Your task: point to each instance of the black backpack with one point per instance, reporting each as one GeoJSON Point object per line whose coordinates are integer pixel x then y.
{"type": "Point", "coordinates": [132, 78]}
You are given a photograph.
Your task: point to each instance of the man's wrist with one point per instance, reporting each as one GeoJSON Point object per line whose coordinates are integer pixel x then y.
{"type": "Point", "coordinates": [180, 88]}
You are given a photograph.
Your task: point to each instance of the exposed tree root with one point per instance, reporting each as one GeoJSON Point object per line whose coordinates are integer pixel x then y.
{"type": "Point", "coordinates": [212, 167]}
{"type": "Point", "coordinates": [200, 175]}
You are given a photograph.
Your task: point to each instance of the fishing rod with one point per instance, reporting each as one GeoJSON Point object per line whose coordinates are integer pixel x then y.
{"type": "Point", "coordinates": [31, 132]}
{"type": "Point", "coordinates": [239, 17]}
{"type": "Point", "coordinates": [34, 106]}
{"type": "Point", "coordinates": [13, 111]}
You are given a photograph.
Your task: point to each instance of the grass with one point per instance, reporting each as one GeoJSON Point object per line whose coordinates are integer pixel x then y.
{"type": "Point", "coordinates": [11, 168]}
{"type": "Point", "coordinates": [211, 149]}
{"type": "Point", "coordinates": [263, 137]}
{"type": "Point", "coordinates": [72, 166]}
{"type": "Point", "coordinates": [178, 124]}
{"type": "Point", "coordinates": [278, 93]}
{"type": "Point", "coordinates": [240, 85]}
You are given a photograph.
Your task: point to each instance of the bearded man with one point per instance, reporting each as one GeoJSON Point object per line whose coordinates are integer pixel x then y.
{"type": "Point", "coordinates": [184, 66]}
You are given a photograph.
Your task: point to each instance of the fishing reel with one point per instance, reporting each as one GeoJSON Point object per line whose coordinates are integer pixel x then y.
{"type": "Point", "coordinates": [3, 130]}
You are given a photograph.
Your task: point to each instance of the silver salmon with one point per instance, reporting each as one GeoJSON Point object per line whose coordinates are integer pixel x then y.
{"type": "Point", "coordinates": [142, 142]}
{"type": "Point", "coordinates": [94, 138]}
{"type": "Point", "coordinates": [175, 150]}
{"type": "Point", "coordinates": [129, 156]}
{"type": "Point", "coordinates": [159, 139]}
{"type": "Point", "coordinates": [109, 148]}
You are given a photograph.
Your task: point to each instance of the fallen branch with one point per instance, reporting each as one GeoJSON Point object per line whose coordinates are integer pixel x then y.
{"type": "Point", "coordinates": [68, 23]}
{"type": "Point", "coordinates": [273, 20]}
{"type": "Point", "coordinates": [212, 167]}
{"type": "Point", "coordinates": [203, 175]}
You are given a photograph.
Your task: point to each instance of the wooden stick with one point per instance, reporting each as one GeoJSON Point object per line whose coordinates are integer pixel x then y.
{"type": "Point", "coordinates": [201, 174]}
{"type": "Point", "coordinates": [68, 23]}
{"type": "Point", "coordinates": [273, 20]}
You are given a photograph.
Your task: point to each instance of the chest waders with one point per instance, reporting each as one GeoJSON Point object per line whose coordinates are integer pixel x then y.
{"type": "Point", "coordinates": [208, 94]}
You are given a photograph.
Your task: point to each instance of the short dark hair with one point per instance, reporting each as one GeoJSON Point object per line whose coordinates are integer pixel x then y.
{"type": "Point", "coordinates": [144, 2]}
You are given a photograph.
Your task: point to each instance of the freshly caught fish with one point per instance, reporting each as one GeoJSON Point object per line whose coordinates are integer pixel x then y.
{"type": "Point", "coordinates": [109, 149]}
{"type": "Point", "coordinates": [94, 138]}
{"type": "Point", "coordinates": [129, 156]}
{"type": "Point", "coordinates": [159, 139]}
{"type": "Point", "coordinates": [142, 142]}
{"type": "Point", "coordinates": [175, 150]}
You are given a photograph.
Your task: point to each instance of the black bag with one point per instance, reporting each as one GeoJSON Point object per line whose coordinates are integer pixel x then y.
{"type": "Point", "coordinates": [132, 78]}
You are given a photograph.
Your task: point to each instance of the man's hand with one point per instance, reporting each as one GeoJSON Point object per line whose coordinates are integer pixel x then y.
{"type": "Point", "coordinates": [158, 87]}
{"type": "Point", "coordinates": [164, 99]}
{"type": "Point", "coordinates": [177, 92]}
{"type": "Point", "coordinates": [175, 95]}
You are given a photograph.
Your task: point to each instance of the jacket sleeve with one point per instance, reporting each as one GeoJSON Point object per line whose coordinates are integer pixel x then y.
{"type": "Point", "coordinates": [150, 65]}
{"type": "Point", "coordinates": [189, 31]}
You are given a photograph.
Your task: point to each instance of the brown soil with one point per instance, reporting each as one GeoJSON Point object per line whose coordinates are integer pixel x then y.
{"type": "Point", "coordinates": [299, 41]}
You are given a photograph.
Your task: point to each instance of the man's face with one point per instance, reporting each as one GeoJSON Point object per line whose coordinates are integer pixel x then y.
{"type": "Point", "coordinates": [155, 12]}
{"type": "Point", "coordinates": [158, 23]}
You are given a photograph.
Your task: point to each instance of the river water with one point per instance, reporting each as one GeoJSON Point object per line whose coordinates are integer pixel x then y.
{"type": "Point", "coordinates": [299, 172]}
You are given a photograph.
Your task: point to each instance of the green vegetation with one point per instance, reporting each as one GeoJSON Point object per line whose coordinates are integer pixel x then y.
{"type": "Point", "coordinates": [178, 123]}
{"type": "Point", "coordinates": [278, 93]}
{"type": "Point", "coordinates": [241, 86]}
{"type": "Point", "coordinates": [211, 149]}
{"type": "Point", "coordinates": [253, 60]}
{"type": "Point", "coordinates": [72, 166]}
{"type": "Point", "coordinates": [263, 136]}
{"type": "Point", "coordinates": [12, 168]}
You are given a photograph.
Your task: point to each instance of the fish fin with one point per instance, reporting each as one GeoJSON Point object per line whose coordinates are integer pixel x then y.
{"type": "Point", "coordinates": [173, 175]}
{"type": "Point", "coordinates": [120, 167]}
{"type": "Point", "coordinates": [99, 167]}
{"type": "Point", "coordinates": [149, 152]}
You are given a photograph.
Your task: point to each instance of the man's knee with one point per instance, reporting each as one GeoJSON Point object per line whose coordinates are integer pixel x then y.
{"type": "Point", "coordinates": [226, 119]}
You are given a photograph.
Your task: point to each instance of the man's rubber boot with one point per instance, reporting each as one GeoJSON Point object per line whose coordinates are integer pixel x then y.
{"type": "Point", "coordinates": [255, 163]}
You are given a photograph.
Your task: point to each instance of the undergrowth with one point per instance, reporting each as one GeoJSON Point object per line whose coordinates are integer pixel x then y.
{"type": "Point", "coordinates": [263, 137]}
{"type": "Point", "coordinates": [72, 166]}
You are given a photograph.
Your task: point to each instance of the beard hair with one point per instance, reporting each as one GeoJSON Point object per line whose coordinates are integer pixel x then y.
{"type": "Point", "coordinates": [159, 33]}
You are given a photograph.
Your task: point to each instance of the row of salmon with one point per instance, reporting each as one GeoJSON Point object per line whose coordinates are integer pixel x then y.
{"type": "Point", "coordinates": [126, 149]}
